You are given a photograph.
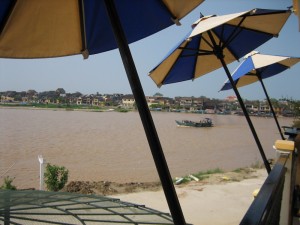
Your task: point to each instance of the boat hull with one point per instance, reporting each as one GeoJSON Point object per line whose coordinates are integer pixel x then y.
{"type": "Point", "coordinates": [188, 123]}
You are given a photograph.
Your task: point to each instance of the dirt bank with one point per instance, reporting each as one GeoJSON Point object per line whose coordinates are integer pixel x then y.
{"type": "Point", "coordinates": [113, 188]}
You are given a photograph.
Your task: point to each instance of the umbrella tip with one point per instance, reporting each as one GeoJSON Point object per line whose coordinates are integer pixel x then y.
{"type": "Point", "coordinates": [176, 21]}
{"type": "Point", "coordinates": [85, 53]}
{"type": "Point", "coordinates": [253, 11]}
{"type": "Point", "coordinates": [251, 54]}
{"type": "Point", "coordinates": [202, 18]}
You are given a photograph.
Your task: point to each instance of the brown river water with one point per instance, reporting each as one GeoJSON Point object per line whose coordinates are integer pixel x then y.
{"type": "Point", "coordinates": [112, 146]}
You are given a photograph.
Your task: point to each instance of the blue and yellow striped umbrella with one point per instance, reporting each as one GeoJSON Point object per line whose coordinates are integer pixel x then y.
{"type": "Point", "coordinates": [227, 36]}
{"type": "Point", "coordinates": [52, 28]}
{"type": "Point", "coordinates": [258, 66]}
{"type": "Point", "coordinates": [216, 41]}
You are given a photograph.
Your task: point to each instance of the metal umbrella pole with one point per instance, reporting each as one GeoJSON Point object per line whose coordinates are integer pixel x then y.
{"type": "Point", "coordinates": [218, 51]}
{"type": "Point", "coordinates": [271, 107]}
{"type": "Point", "coordinates": [260, 148]}
{"type": "Point", "coordinates": [151, 133]}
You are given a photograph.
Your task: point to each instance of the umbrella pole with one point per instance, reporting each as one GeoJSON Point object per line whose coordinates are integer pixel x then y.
{"type": "Point", "coordinates": [271, 107]}
{"type": "Point", "coordinates": [267, 165]}
{"type": "Point", "coordinates": [153, 140]}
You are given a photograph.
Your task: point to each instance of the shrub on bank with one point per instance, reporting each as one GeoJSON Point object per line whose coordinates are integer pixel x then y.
{"type": "Point", "coordinates": [8, 184]}
{"type": "Point", "coordinates": [55, 177]}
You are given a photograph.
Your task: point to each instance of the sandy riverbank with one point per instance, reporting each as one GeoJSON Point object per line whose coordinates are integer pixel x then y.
{"type": "Point", "coordinates": [219, 199]}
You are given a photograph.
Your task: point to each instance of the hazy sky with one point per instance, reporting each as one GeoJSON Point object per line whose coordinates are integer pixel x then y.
{"type": "Point", "coordinates": [104, 73]}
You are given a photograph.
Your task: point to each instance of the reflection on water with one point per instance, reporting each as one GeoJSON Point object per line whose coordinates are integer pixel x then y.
{"type": "Point", "coordinates": [113, 146]}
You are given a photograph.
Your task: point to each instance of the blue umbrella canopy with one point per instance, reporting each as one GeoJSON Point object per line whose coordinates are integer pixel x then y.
{"type": "Point", "coordinates": [258, 66]}
{"type": "Point", "coordinates": [39, 29]}
{"type": "Point", "coordinates": [216, 41]}
{"type": "Point", "coordinates": [229, 36]}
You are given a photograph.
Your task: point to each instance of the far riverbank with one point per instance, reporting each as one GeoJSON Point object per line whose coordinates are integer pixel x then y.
{"type": "Point", "coordinates": [63, 108]}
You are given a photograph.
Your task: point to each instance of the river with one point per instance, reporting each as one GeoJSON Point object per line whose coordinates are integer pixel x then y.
{"type": "Point", "coordinates": [112, 146]}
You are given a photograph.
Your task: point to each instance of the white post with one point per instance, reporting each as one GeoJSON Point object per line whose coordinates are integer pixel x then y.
{"type": "Point", "coordinates": [42, 161]}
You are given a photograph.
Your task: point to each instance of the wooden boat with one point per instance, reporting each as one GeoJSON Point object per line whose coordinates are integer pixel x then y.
{"type": "Point", "coordinates": [207, 122]}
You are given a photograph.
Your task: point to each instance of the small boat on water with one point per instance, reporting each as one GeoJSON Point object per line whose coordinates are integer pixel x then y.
{"type": "Point", "coordinates": [207, 122]}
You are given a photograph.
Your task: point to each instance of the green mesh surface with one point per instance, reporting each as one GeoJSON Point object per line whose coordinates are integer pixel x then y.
{"type": "Point", "coordinates": [41, 207]}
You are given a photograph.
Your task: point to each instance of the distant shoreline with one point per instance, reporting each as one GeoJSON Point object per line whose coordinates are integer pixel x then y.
{"type": "Point", "coordinates": [107, 109]}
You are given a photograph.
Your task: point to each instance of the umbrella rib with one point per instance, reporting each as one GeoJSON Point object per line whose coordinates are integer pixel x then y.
{"type": "Point", "coordinates": [217, 49]}
{"type": "Point", "coordinates": [6, 17]}
{"type": "Point", "coordinates": [274, 35]}
{"type": "Point", "coordinates": [198, 52]}
{"type": "Point", "coordinates": [206, 52]}
{"type": "Point", "coordinates": [183, 48]}
{"type": "Point", "coordinates": [190, 49]}
{"type": "Point", "coordinates": [207, 42]}
{"type": "Point", "coordinates": [252, 74]}
{"type": "Point", "coordinates": [234, 34]}
{"type": "Point", "coordinates": [220, 39]}
{"type": "Point", "coordinates": [211, 53]}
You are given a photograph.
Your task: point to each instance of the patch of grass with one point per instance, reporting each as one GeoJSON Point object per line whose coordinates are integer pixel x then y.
{"type": "Point", "coordinates": [7, 185]}
{"type": "Point", "coordinates": [238, 170]}
{"type": "Point", "coordinates": [200, 175]}
{"type": "Point", "coordinates": [208, 172]}
{"type": "Point", "coordinates": [186, 179]}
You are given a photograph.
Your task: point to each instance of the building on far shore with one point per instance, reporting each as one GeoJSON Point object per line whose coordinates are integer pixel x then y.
{"type": "Point", "coordinates": [187, 104]}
